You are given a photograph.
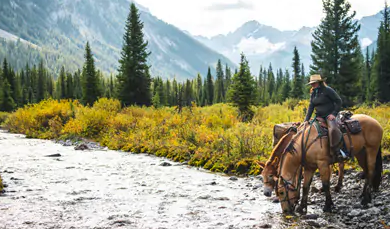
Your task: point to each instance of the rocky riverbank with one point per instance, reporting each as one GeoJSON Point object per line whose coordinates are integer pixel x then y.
{"type": "Point", "coordinates": [347, 211]}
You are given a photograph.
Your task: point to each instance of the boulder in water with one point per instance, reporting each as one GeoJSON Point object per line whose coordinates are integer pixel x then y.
{"type": "Point", "coordinates": [82, 146]}
{"type": "Point", "coordinates": [54, 155]}
{"type": "Point", "coordinates": [165, 164]}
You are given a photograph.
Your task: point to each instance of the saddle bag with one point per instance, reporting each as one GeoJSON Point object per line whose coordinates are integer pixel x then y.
{"type": "Point", "coordinates": [353, 126]}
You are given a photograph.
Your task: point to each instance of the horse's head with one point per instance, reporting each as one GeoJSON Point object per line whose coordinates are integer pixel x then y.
{"type": "Point", "coordinates": [288, 195]}
{"type": "Point", "coordinates": [269, 175]}
{"type": "Point", "coordinates": [270, 171]}
{"type": "Point", "coordinates": [287, 187]}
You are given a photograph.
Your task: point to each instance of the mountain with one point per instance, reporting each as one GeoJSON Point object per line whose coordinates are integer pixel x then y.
{"type": "Point", "coordinates": [60, 28]}
{"type": "Point", "coordinates": [264, 44]}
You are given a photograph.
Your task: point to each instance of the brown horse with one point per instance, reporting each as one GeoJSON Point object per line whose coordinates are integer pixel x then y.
{"type": "Point", "coordinates": [308, 151]}
{"type": "Point", "coordinates": [270, 168]}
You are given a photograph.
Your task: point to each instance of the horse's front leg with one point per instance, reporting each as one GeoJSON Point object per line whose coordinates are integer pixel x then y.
{"type": "Point", "coordinates": [341, 177]}
{"type": "Point", "coordinates": [325, 173]}
{"type": "Point", "coordinates": [307, 179]}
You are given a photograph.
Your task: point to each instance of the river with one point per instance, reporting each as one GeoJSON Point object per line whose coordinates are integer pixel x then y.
{"type": "Point", "coordinates": [113, 189]}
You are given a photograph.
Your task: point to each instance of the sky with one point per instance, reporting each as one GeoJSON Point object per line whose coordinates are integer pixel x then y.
{"type": "Point", "coordinates": [212, 17]}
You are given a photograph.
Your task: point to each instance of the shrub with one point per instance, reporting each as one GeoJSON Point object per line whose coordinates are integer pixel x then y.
{"type": "Point", "coordinates": [209, 137]}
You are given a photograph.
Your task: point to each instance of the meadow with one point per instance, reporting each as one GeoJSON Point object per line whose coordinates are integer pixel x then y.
{"type": "Point", "coordinates": [211, 137]}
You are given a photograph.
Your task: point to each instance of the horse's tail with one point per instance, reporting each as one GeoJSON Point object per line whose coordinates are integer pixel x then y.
{"type": "Point", "coordinates": [378, 170]}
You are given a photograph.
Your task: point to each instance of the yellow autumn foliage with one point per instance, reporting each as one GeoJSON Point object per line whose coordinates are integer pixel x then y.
{"type": "Point", "coordinates": [211, 137]}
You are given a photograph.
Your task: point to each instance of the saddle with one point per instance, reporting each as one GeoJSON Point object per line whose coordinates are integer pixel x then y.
{"type": "Point", "coordinates": [348, 124]}
{"type": "Point", "coordinates": [344, 122]}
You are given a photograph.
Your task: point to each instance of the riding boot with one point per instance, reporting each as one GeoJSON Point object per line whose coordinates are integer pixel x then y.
{"type": "Point", "coordinates": [335, 136]}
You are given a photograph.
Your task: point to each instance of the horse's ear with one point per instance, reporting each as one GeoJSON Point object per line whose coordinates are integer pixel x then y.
{"type": "Point", "coordinates": [262, 165]}
{"type": "Point", "coordinates": [276, 160]}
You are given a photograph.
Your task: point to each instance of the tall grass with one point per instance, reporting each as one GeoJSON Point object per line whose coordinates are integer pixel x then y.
{"type": "Point", "coordinates": [209, 137]}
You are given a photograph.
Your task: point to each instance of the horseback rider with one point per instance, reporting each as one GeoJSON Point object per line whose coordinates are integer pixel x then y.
{"type": "Point", "coordinates": [327, 104]}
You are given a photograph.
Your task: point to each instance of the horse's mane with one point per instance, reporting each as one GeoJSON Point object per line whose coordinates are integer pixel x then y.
{"type": "Point", "coordinates": [290, 147]}
{"type": "Point", "coordinates": [278, 149]}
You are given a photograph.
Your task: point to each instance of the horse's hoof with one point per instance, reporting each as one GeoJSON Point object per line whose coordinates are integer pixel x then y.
{"type": "Point", "coordinates": [337, 188]}
{"type": "Point", "coordinates": [301, 209]}
{"type": "Point", "coordinates": [365, 201]}
{"type": "Point", "coordinates": [327, 209]}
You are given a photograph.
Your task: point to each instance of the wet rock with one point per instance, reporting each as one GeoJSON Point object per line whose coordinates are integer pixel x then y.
{"type": "Point", "coordinates": [275, 200]}
{"type": "Point", "coordinates": [14, 178]}
{"type": "Point", "coordinates": [233, 178]}
{"type": "Point", "coordinates": [6, 171]}
{"type": "Point", "coordinates": [314, 189]}
{"type": "Point", "coordinates": [355, 212]}
{"type": "Point", "coordinates": [54, 155]}
{"type": "Point", "coordinates": [121, 222]}
{"type": "Point", "coordinates": [204, 197]}
{"type": "Point", "coordinates": [258, 186]}
{"type": "Point", "coordinates": [222, 198]}
{"type": "Point", "coordinates": [213, 183]}
{"type": "Point", "coordinates": [355, 187]}
{"type": "Point", "coordinates": [374, 211]}
{"type": "Point", "coordinates": [313, 223]}
{"type": "Point", "coordinates": [67, 143]}
{"type": "Point", "coordinates": [310, 216]}
{"type": "Point", "coordinates": [265, 226]}
{"type": "Point", "coordinates": [81, 146]}
{"type": "Point", "coordinates": [165, 164]}
{"type": "Point", "coordinates": [361, 175]}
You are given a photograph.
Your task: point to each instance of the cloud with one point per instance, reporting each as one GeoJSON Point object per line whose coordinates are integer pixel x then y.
{"type": "Point", "coordinates": [261, 45]}
{"type": "Point", "coordinates": [240, 4]}
{"type": "Point", "coordinates": [366, 42]}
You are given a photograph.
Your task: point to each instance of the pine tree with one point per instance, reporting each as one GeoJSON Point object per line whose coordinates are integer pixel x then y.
{"type": "Point", "coordinates": [209, 88]}
{"type": "Point", "coordinates": [70, 87]}
{"type": "Point", "coordinates": [168, 91]}
{"type": "Point", "coordinates": [77, 82]}
{"type": "Point", "coordinates": [198, 90]}
{"type": "Point", "coordinates": [270, 82]}
{"type": "Point", "coordinates": [286, 86]}
{"type": "Point", "coordinates": [219, 84]}
{"type": "Point", "coordinates": [62, 84]}
{"type": "Point", "coordinates": [260, 85]}
{"type": "Point", "coordinates": [134, 80]}
{"type": "Point", "coordinates": [41, 92]}
{"type": "Point", "coordinates": [188, 93]}
{"type": "Point", "coordinates": [228, 79]}
{"type": "Point", "coordinates": [297, 84]}
{"type": "Point", "coordinates": [242, 92]}
{"type": "Point", "coordinates": [90, 79]}
{"type": "Point", "coordinates": [335, 49]}
{"type": "Point", "coordinates": [8, 104]}
{"type": "Point", "coordinates": [365, 84]}
{"type": "Point", "coordinates": [380, 84]}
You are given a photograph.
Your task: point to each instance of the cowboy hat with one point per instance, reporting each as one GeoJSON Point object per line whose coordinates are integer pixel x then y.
{"type": "Point", "coordinates": [316, 78]}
